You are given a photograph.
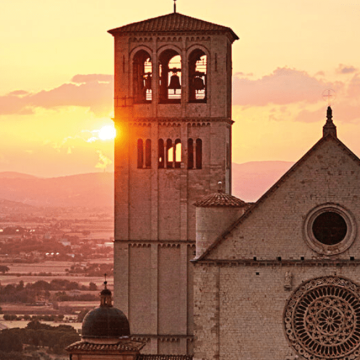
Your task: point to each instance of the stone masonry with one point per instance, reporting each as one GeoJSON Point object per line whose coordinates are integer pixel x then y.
{"type": "Point", "coordinates": [173, 121]}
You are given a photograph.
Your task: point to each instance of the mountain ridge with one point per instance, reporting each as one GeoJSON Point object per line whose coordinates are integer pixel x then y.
{"type": "Point", "coordinates": [250, 181]}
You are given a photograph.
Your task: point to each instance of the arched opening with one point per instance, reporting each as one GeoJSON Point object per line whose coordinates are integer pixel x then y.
{"type": "Point", "coordinates": [198, 153]}
{"type": "Point", "coordinates": [197, 76]}
{"type": "Point", "coordinates": [190, 154]}
{"type": "Point", "coordinates": [169, 154]}
{"type": "Point", "coordinates": [142, 76]}
{"type": "Point", "coordinates": [161, 157]}
{"type": "Point", "coordinates": [140, 154]}
{"type": "Point", "coordinates": [177, 156]}
{"type": "Point", "coordinates": [169, 77]}
{"type": "Point", "coordinates": [148, 154]}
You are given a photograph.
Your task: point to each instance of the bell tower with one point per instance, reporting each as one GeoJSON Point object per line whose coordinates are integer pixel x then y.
{"type": "Point", "coordinates": [173, 121]}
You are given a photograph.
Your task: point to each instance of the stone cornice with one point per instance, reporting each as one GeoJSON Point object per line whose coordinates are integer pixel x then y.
{"type": "Point", "coordinates": [189, 120]}
{"type": "Point", "coordinates": [263, 263]}
{"type": "Point", "coordinates": [161, 242]}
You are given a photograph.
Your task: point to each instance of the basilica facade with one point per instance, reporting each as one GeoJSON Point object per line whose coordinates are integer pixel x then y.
{"type": "Point", "coordinates": [198, 271]}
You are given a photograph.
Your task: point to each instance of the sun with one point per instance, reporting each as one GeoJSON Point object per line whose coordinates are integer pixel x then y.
{"type": "Point", "coordinates": [107, 132]}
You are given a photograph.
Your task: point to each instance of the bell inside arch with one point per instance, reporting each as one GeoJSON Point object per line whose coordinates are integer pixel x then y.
{"type": "Point", "coordinates": [147, 81]}
{"type": "Point", "coordinates": [199, 83]}
{"type": "Point", "coordinates": [174, 82]}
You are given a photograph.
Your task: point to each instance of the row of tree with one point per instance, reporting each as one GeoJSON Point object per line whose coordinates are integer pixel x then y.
{"type": "Point", "coordinates": [36, 334]}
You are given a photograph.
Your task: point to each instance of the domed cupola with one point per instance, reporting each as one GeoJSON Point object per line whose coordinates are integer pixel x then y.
{"type": "Point", "coordinates": [105, 321]}
{"type": "Point", "coordinates": [214, 214]}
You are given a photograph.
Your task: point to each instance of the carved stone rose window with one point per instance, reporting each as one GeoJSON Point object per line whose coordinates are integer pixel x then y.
{"type": "Point", "coordinates": [322, 319]}
{"type": "Point", "coordinates": [329, 229]}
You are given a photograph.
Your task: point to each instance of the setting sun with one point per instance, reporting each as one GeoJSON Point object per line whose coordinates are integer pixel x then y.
{"type": "Point", "coordinates": [107, 132]}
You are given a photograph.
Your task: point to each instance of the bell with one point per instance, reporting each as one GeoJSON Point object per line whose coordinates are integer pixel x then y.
{"type": "Point", "coordinates": [174, 83]}
{"type": "Point", "coordinates": [199, 83]}
{"type": "Point", "coordinates": [147, 81]}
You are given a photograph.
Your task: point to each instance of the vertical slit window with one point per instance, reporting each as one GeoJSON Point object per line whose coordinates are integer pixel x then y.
{"type": "Point", "coordinates": [148, 154]}
{"type": "Point", "coordinates": [169, 154]}
{"type": "Point", "coordinates": [190, 154]}
{"type": "Point", "coordinates": [140, 153]}
{"type": "Point", "coordinates": [199, 154]}
{"type": "Point", "coordinates": [177, 153]}
{"type": "Point", "coordinates": [161, 157]}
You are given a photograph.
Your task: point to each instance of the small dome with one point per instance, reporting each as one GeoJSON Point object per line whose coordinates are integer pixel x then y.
{"type": "Point", "coordinates": [105, 322]}
{"type": "Point", "coordinates": [220, 199]}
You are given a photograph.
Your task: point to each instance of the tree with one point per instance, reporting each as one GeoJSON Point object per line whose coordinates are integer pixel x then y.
{"type": "Point", "coordinates": [4, 269]}
{"type": "Point", "coordinates": [10, 341]}
{"type": "Point", "coordinates": [92, 286]}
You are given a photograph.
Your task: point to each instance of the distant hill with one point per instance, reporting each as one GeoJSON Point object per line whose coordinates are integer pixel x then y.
{"type": "Point", "coordinates": [252, 179]}
{"type": "Point", "coordinates": [15, 175]}
{"type": "Point", "coordinates": [85, 190]}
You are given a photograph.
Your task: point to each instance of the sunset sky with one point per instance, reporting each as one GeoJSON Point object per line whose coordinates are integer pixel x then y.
{"type": "Point", "coordinates": [56, 77]}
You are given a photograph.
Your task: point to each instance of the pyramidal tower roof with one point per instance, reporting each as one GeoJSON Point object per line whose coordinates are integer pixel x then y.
{"type": "Point", "coordinates": [173, 22]}
{"type": "Point", "coordinates": [220, 199]}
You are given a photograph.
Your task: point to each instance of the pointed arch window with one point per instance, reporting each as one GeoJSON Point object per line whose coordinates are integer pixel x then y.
{"type": "Point", "coordinates": [197, 76]}
{"type": "Point", "coordinates": [142, 77]}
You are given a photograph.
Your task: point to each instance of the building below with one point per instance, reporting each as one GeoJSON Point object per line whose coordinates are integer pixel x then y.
{"type": "Point", "coordinates": [106, 335]}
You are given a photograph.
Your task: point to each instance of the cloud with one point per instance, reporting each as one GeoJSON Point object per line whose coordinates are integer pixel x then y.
{"type": "Point", "coordinates": [283, 86]}
{"type": "Point", "coordinates": [343, 112]}
{"type": "Point", "coordinates": [104, 161]}
{"type": "Point", "coordinates": [343, 69]}
{"type": "Point", "coordinates": [91, 78]}
{"type": "Point", "coordinates": [18, 93]}
{"type": "Point", "coordinates": [94, 91]}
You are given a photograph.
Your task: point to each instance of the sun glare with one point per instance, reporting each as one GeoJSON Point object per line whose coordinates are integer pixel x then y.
{"type": "Point", "coordinates": [107, 133]}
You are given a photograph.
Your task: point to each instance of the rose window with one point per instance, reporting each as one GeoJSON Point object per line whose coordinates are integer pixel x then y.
{"type": "Point", "coordinates": [322, 319]}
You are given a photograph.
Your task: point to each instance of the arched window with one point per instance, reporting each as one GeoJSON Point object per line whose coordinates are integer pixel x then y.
{"type": "Point", "coordinates": [197, 76]}
{"type": "Point", "coordinates": [169, 154]}
{"type": "Point", "coordinates": [140, 153]}
{"type": "Point", "coordinates": [142, 75]}
{"type": "Point", "coordinates": [161, 155]}
{"type": "Point", "coordinates": [169, 77]}
{"type": "Point", "coordinates": [190, 154]}
{"type": "Point", "coordinates": [199, 154]}
{"type": "Point", "coordinates": [178, 155]}
{"type": "Point", "coordinates": [148, 154]}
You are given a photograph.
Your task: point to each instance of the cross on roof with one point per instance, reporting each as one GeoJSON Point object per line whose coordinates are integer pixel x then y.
{"type": "Point", "coordinates": [174, 6]}
{"type": "Point", "coordinates": [328, 95]}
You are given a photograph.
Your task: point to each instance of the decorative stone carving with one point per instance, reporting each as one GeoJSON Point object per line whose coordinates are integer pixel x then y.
{"type": "Point", "coordinates": [321, 319]}
{"type": "Point", "coordinates": [288, 279]}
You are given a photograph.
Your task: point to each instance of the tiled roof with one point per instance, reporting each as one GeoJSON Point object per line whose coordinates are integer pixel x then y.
{"type": "Point", "coordinates": [122, 345]}
{"type": "Point", "coordinates": [173, 22]}
{"type": "Point", "coordinates": [220, 199]}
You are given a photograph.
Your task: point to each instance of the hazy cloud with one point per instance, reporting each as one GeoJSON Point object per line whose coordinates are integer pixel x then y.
{"type": "Point", "coordinates": [91, 78]}
{"type": "Point", "coordinates": [104, 161]}
{"type": "Point", "coordinates": [92, 91]}
{"type": "Point", "coordinates": [343, 112]}
{"type": "Point", "coordinates": [344, 69]}
{"type": "Point", "coordinates": [18, 93]}
{"type": "Point", "coordinates": [283, 86]}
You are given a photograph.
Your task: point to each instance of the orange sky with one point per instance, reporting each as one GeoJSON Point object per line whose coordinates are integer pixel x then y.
{"type": "Point", "coordinates": [57, 63]}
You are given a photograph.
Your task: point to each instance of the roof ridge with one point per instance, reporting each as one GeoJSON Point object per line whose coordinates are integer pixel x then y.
{"type": "Point", "coordinates": [172, 22]}
{"type": "Point", "coordinates": [273, 188]}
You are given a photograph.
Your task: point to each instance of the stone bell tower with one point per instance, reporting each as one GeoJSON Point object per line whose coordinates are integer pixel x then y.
{"type": "Point", "coordinates": [173, 146]}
